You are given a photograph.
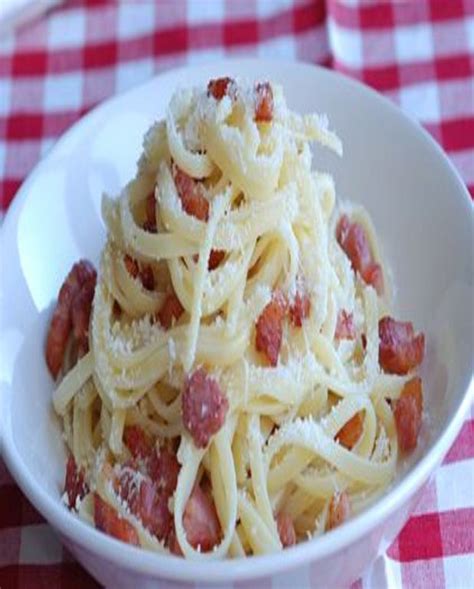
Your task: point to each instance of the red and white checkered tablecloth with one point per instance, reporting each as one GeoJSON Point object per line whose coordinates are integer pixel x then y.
{"type": "Point", "coordinates": [420, 53]}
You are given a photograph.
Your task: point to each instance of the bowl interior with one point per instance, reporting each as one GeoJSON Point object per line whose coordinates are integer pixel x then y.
{"type": "Point", "coordinates": [420, 209]}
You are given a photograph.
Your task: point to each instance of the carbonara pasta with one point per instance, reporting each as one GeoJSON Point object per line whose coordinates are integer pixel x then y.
{"type": "Point", "coordinates": [231, 382]}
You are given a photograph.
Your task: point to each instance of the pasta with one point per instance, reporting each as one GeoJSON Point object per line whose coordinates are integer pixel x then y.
{"type": "Point", "coordinates": [230, 382]}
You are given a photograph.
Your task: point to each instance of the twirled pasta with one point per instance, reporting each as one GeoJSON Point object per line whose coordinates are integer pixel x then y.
{"type": "Point", "coordinates": [272, 220]}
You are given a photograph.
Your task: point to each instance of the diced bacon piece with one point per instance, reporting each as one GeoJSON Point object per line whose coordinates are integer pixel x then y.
{"type": "Point", "coordinates": [163, 469]}
{"type": "Point", "coordinates": [82, 347]}
{"type": "Point", "coordinates": [138, 442]}
{"type": "Point", "coordinates": [170, 311]}
{"type": "Point", "coordinates": [107, 519]}
{"type": "Point", "coordinates": [408, 413]}
{"type": "Point", "coordinates": [191, 194]}
{"type": "Point", "coordinates": [299, 309]}
{"type": "Point", "coordinates": [219, 87]}
{"type": "Point", "coordinates": [75, 486]}
{"type": "Point", "coordinates": [116, 309]}
{"type": "Point", "coordinates": [150, 212]}
{"type": "Point", "coordinates": [147, 277]}
{"type": "Point", "coordinates": [215, 258]}
{"type": "Point", "coordinates": [150, 227]}
{"type": "Point", "coordinates": [83, 272]}
{"type": "Point", "coordinates": [81, 312]}
{"type": "Point", "coordinates": [286, 529]}
{"type": "Point", "coordinates": [204, 407]}
{"type": "Point", "coordinates": [145, 501]}
{"type": "Point", "coordinates": [200, 521]}
{"type": "Point", "coordinates": [124, 483]}
{"type": "Point", "coordinates": [134, 488]}
{"type": "Point", "coordinates": [373, 275]}
{"type": "Point", "coordinates": [353, 240]}
{"type": "Point", "coordinates": [269, 329]}
{"type": "Point", "coordinates": [173, 544]}
{"type": "Point", "coordinates": [400, 350]}
{"type": "Point", "coordinates": [339, 510]}
{"type": "Point", "coordinates": [131, 265]}
{"type": "Point", "coordinates": [81, 308]}
{"type": "Point", "coordinates": [263, 103]}
{"type": "Point", "coordinates": [154, 511]}
{"type": "Point", "coordinates": [350, 432]}
{"type": "Point", "coordinates": [145, 273]}
{"type": "Point", "coordinates": [58, 335]}
{"type": "Point", "coordinates": [345, 328]}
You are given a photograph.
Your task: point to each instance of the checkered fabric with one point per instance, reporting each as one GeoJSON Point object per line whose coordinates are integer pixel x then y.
{"type": "Point", "coordinates": [420, 53]}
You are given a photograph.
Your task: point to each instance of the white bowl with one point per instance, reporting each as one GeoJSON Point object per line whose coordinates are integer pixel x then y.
{"type": "Point", "coordinates": [423, 215]}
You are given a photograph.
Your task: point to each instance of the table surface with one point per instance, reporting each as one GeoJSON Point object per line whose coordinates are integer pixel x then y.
{"type": "Point", "coordinates": [418, 53]}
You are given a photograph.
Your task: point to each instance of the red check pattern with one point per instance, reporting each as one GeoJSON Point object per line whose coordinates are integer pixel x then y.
{"type": "Point", "coordinates": [420, 53]}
